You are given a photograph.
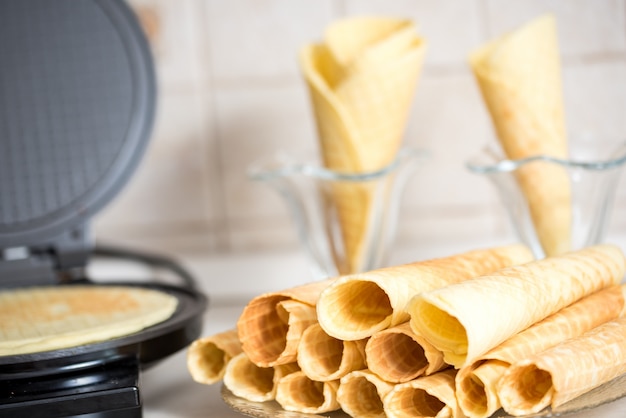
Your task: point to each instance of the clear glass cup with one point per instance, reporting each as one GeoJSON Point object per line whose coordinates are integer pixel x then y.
{"type": "Point", "coordinates": [592, 172]}
{"type": "Point", "coordinates": [346, 222]}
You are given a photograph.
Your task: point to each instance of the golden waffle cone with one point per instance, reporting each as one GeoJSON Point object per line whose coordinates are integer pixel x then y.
{"type": "Point", "coordinates": [476, 384]}
{"type": "Point", "coordinates": [454, 319]}
{"type": "Point", "coordinates": [323, 358]}
{"type": "Point", "coordinates": [271, 324]}
{"type": "Point", "coordinates": [334, 125]}
{"type": "Point", "coordinates": [361, 394]}
{"type": "Point", "coordinates": [350, 201]}
{"type": "Point", "coordinates": [298, 393]}
{"type": "Point", "coordinates": [361, 84]}
{"type": "Point", "coordinates": [361, 91]}
{"type": "Point", "coordinates": [398, 354]}
{"type": "Point", "coordinates": [350, 39]}
{"type": "Point", "coordinates": [428, 396]}
{"type": "Point", "coordinates": [249, 381]}
{"type": "Point", "coordinates": [566, 370]}
{"type": "Point", "coordinates": [379, 104]}
{"type": "Point", "coordinates": [356, 306]}
{"type": "Point", "coordinates": [207, 357]}
{"type": "Point", "coordinates": [519, 77]}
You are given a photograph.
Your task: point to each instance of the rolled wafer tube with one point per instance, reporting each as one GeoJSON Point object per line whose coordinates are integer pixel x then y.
{"type": "Point", "coordinates": [298, 393]}
{"type": "Point", "coordinates": [356, 306]}
{"type": "Point", "coordinates": [454, 318]}
{"type": "Point", "coordinates": [476, 384]}
{"type": "Point", "coordinates": [271, 324]}
{"type": "Point", "coordinates": [361, 81]}
{"type": "Point", "coordinates": [428, 396]}
{"type": "Point", "coordinates": [323, 358]}
{"type": "Point", "coordinates": [398, 354]}
{"type": "Point", "coordinates": [520, 79]}
{"type": "Point", "coordinates": [565, 371]}
{"type": "Point", "coordinates": [207, 357]}
{"type": "Point", "coordinates": [249, 381]}
{"type": "Point", "coordinates": [361, 394]}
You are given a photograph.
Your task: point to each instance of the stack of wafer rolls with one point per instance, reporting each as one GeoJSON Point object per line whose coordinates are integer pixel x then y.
{"type": "Point", "coordinates": [356, 306]}
{"type": "Point", "coordinates": [509, 338]}
{"type": "Point", "coordinates": [476, 383]}
{"type": "Point", "coordinates": [361, 79]}
{"type": "Point", "coordinates": [565, 371]}
{"type": "Point", "coordinates": [519, 76]}
{"type": "Point", "coordinates": [453, 318]}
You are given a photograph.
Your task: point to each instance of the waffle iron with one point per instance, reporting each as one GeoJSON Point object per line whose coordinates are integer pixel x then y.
{"type": "Point", "coordinates": [77, 105]}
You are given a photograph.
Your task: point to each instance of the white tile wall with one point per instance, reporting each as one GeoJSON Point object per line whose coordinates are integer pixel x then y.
{"type": "Point", "coordinates": [585, 26]}
{"type": "Point", "coordinates": [258, 122]}
{"type": "Point", "coordinates": [178, 36]}
{"type": "Point", "coordinates": [231, 92]}
{"type": "Point", "coordinates": [451, 28]}
{"type": "Point", "coordinates": [259, 39]}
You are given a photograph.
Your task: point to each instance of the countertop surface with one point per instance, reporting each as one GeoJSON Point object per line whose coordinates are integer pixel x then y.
{"type": "Point", "coordinates": [167, 389]}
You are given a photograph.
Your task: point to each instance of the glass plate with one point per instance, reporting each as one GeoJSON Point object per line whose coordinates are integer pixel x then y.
{"type": "Point", "coordinates": [611, 391]}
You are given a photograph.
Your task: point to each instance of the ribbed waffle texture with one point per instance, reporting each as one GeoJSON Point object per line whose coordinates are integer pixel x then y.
{"type": "Point", "coordinates": [361, 81]}
{"type": "Point", "coordinates": [566, 370]}
{"type": "Point", "coordinates": [476, 383]}
{"type": "Point", "coordinates": [520, 78]}
{"type": "Point", "coordinates": [356, 306]}
{"type": "Point", "coordinates": [453, 318]}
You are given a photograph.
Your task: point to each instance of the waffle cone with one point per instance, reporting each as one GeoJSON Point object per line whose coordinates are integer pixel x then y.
{"type": "Point", "coordinates": [272, 324]}
{"type": "Point", "coordinates": [249, 381]}
{"type": "Point", "coordinates": [207, 357]}
{"type": "Point", "coordinates": [298, 393]}
{"type": "Point", "coordinates": [361, 394]}
{"type": "Point", "coordinates": [366, 41]}
{"type": "Point", "coordinates": [476, 384]}
{"type": "Point", "coordinates": [466, 320]}
{"type": "Point", "coordinates": [361, 82]}
{"type": "Point", "coordinates": [356, 306]}
{"type": "Point", "coordinates": [324, 358]}
{"type": "Point", "coordinates": [519, 77]}
{"type": "Point", "coordinates": [427, 396]}
{"type": "Point", "coordinates": [398, 354]}
{"type": "Point", "coordinates": [566, 370]}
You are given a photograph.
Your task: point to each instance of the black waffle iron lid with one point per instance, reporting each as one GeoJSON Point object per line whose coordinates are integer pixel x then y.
{"type": "Point", "coordinates": [77, 103]}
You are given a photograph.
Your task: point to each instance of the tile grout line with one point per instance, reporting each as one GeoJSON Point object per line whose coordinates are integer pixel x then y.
{"type": "Point", "coordinates": [339, 9]}
{"type": "Point", "coordinates": [484, 26]}
{"type": "Point", "coordinates": [221, 224]}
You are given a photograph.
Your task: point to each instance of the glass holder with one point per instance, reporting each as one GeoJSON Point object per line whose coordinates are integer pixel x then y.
{"type": "Point", "coordinates": [590, 177]}
{"type": "Point", "coordinates": [346, 222]}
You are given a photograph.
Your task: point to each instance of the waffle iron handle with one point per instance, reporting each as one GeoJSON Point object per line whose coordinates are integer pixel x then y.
{"type": "Point", "coordinates": [60, 260]}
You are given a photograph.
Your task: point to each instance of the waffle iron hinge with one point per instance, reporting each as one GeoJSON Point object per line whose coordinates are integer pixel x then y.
{"type": "Point", "coordinates": [63, 259]}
